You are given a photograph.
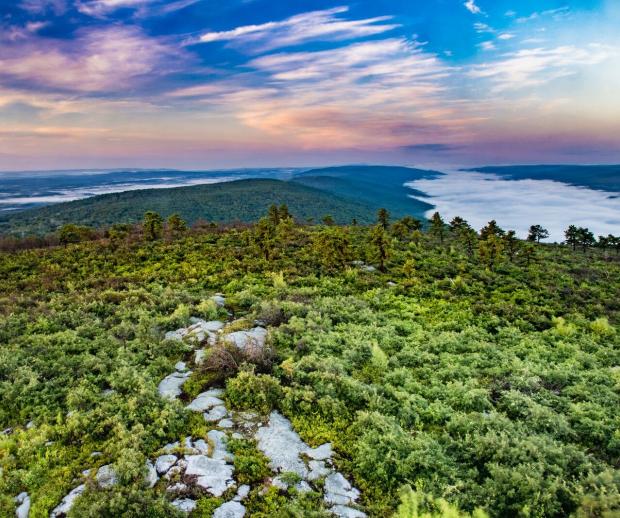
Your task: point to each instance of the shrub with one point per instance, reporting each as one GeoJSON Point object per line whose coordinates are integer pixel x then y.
{"type": "Point", "coordinates": [250, 391]}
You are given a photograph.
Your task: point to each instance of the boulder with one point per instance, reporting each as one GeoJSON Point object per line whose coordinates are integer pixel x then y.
{"type": "Point", "coordinates": [23, 505]}
{"type": "Point", "coordinates": [342, 511]}
{"type": "Point", "coordinates": [242, 493]}
{"type": "Point", "coordinates": [106, 476]}
{"type": "Point", "coordinates": [218, 440]}
{"type": "Point", "coordinates": [170, 386]}
{"type": "Point", "coordinates": [323, 452]}
{"type": "Point", "coordinates": [164, 463]}
{"type": "Point", "coordinates": [248, 340]}
{"type": "Point", "coordinates": [219, 300]}
{"type": "Point", "coordinates": [230, 510]}
{"type": "Point", "coordinates": [206, 401]}
{"type": "Point", "coordinates": [282, 446]}
{"type": "Point", "coordinates": [67, 502]}
{"type": "Point", "coordinates": [186, 505]}
{"type": "Point", "coordinates": [214, 475]}
{"type": "Point", "coordinates": [151, 477]}
{"type": "Point", "coordinates": [339, 491]}
{"type": "Point", "coordinates": [215, 414]}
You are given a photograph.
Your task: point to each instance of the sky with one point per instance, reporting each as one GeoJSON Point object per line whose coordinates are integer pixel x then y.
{"type": "Point", "coordinates": [264, 83]}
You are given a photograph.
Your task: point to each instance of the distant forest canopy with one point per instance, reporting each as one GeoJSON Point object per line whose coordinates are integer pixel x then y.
{"type": "Point", "coordinates": [345, 193]}
{"type": "Point", "coordinates": [238, 201]}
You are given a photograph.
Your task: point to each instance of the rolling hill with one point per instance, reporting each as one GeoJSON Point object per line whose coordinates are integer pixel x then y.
{"type": "Point", "coordinates": [243, 200]}
{"type": "Point", "coordinates": [378, 186]}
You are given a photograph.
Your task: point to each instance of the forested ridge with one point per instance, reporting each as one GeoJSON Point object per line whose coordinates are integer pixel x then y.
{"type": "Point", "coordinates": [455, 371]}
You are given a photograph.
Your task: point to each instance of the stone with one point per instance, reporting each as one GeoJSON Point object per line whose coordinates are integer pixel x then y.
{"type": "Point", "coordinates": [282, 446]}
{"type": "Point", "coordinates": [204, 402]}
{"type": "Point", "coordinates": [318, 469]}
{"type": "Point", "coordinates": [164, 463]}
{"type": "Point", "coordinates": [199, 356]}
{"type": "Point", "coordinates": [214, 475]}
{"type": "Point", "coordinates": [338, 490]}
{"type": "Point", "coordinates": [171, 446]}
{"type": "Point", "coordinates": [186, 505]}
{"type": "Point", "coordinates": [150, 478]}
{"type": "Point", "coordinates": [29, 425]}
{"type": "Point", "coordinates": [248, 340]}
{"type": "Point", "coordinates": [367, 268]}
{"type": "Point", "coordinates": [96, 454]}
{"type": "Point", "coordinates": [303, 487]}
{"type": "Point", "coordinates": [201, 446]}
{"type": "Point", "coordinates": [226, 423]}
{"type": "Point", "coordinates": [67, 502]}
{"type": "Point", "coordinates": [230, 510]}
{"type": "Point", "coordinates": [242, 493]}
{"type": "Point", "coordinates": [215, 414]}
{"type": "Point", "coordinates": [179, 487]}
{"type": "Point", "coordinates": [219, 300]}
{"type": "Point", "coordinates": [218, 440]}
{"type": "Point", "coordinates": [342, 511]}
{"type": "Point", "coordinates": [106, 476]}
{"type": "Point", "coordinates": [170, 386]}
{"type": "Point", "coordinates": [108, 392]}
{"type": "Point", "coordinates": [323, 452]}
{"type": "Point", "coordinates": [180, 366]}
{"type": "Point", "coordinates": [188, 447]}
{"type": "Point", "coordinates": [23, 507]}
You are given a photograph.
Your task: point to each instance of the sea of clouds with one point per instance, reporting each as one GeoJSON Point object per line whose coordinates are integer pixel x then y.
{"type": "Point", "coordinates": [517, 204]}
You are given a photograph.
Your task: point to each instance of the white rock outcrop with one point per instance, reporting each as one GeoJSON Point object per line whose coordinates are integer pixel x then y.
{"type": "Point", "coordinates": [232, 509]}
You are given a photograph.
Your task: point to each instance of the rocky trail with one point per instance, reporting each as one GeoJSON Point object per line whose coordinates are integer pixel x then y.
{"type": "Point", "coordinates": [203, 466]}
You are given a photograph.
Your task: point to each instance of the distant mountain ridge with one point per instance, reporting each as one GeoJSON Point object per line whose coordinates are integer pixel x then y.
{"type": "Point", "coordinates": [240, 200]}
{"type": "Point", "coordinates": [600, 177]}
{"type": "Point", "coordinates": [378, 186]}
{"type": "Point", "coordinates": [345, 193]}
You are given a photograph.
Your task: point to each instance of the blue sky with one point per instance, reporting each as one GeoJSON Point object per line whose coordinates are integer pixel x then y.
{"type": "Point", "coordinates": [199, 83]}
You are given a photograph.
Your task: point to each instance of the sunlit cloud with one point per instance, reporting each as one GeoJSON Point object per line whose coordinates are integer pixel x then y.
{"type": "Point", "coordinates": [100, 60]}
{"type": "Point", "coordinates": [530, 67]}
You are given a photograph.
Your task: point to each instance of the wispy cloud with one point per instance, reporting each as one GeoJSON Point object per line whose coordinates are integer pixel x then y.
{"type": "Point", "coordinates": [323, 25]}
{"type": "Point", "coordinates": [530, 67]}
{"type": "Point", "coordinates": [471, 6]}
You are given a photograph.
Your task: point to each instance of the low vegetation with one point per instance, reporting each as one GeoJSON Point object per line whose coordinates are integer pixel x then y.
{"type": "Point", "coordinates": [456, 372]}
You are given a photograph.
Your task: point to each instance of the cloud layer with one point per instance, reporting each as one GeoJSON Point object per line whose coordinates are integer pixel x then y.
{"type": "Point", "coordinates": [517, 204]}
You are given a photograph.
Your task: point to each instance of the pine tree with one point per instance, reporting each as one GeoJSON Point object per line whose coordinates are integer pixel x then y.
{"type": "Point", "coordinates": [491, 229]}
{"type": "Point", "coordinates": [571, 234]}
{"type": "Point", "coordinates": [153, 226]}
{"type": "Point", "coordinates": [380, 245]}
{"type": "Point", "coordinates": [438, 226]}
{"type": "Point", "coordinates": [176, 225]}
{"type": "Point", "coordinates": [383, 218]}
{"type": "Point", "coordinates": [511, 244]}
{"type": "Point", "coordinates": [537, 233]}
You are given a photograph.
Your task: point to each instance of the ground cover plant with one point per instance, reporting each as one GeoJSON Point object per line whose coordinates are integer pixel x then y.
{"type": "Point", "coordinates": [455, 372]}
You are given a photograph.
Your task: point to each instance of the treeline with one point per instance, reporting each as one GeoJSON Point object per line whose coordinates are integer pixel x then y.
{"type": "Point", "coordinates": [492, 243]}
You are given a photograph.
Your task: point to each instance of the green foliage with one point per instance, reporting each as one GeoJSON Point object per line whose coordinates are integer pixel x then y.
{"type": "Point", "coordinates": [126, 501]}
{"type": "Point", "coordinates": [242, 200]}
{"type": "Point", "coordinates": [250, 391]}
{"type": "Point", "coordinates": [414, 504]}
{"type": "Point", "coordinates": [495, 390]}
{"type": "Point", "coordinates": [251, 466]}
{"type": "Point", "coordinates": [152, 226]}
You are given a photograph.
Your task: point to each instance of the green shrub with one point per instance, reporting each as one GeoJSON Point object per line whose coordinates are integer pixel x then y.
{"type": "Point", "coordinates": [250, 391]}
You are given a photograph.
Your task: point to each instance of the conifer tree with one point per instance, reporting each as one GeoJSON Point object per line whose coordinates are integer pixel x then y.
{"type": "Point", "coordinates": [153, 226]}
